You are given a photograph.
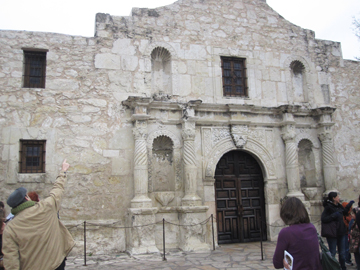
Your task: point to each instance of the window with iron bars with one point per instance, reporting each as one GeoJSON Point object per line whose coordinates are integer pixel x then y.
{"type": "Point", "coordinates": [32, 156]}
{"type": "Point", "coordinates": [34, 69]}
{"type": "Point", "coordinates": [234, 77]}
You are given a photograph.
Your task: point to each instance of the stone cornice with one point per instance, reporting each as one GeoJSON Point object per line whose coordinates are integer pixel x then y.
{"type": "Point", "coordinates": [234, 113]}
{"type": "Point", "coordinates": [135, 117]}
{"type": "Point", "coordinates": [134, 101]}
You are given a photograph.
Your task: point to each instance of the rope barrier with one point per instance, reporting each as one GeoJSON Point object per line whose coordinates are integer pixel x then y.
{"type": "Point", "coordinates": [86, 224]}
{"type": "Point", "coordinates": [201, 223]}
{"type": "Point", "coordinates": [121, 227]}
{"type": "Point", "coordinates": [113, 225]}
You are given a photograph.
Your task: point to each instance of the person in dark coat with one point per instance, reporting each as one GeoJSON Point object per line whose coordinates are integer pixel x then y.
{"type": "Point", "coordinates": [2, 226]}
{"type": "Point", "coordinates": [334, 213]}
{"type": "Point", "coordinates": [357, 254]}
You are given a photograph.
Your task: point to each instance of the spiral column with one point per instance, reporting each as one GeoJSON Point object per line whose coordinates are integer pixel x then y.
{"type": "Point", "coordinates": [141, 198]}
{"type": "Point", "coordinates": [292, 165]}
{"type": "Point", "coordinates": [189, 163]}
{"type": "Point", "coordinates": [328, 161]}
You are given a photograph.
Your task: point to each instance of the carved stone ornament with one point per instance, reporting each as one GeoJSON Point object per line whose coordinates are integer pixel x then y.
{"type": "Point", "coordinates": [238, 136]}
{"type": "Point", "coordinates": [164, 197]}
{"type": "Point", "coordinates": [239, 140]}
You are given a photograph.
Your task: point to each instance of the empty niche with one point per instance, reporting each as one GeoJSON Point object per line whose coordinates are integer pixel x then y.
{"type": "Point", "coordinates": [163, 164]}
{"type": "Point", "coordinates": [307, 168]}
{"type": "Point", "coordinates": [298, 81]}
{"type": "Point", "coordinates": [161, 71]}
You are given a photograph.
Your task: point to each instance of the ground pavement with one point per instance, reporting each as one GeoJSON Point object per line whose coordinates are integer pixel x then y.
{"type": "Point", "coordinates": [225, 257]}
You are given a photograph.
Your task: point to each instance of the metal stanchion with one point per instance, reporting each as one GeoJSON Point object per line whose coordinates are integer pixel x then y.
{"type": "Point", "coordinates": [212, 226]}
{"type": "Point", "coordinates": [85, 243]}
{"type": "Point", "coordinates": [261, 240]}
{"type": "Point", "coordinates": [164, 259]}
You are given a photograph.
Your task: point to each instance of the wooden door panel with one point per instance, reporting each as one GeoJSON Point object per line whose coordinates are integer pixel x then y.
{"type": "Point", "coordinates": [227, 209]}
{"type": "Point", "coordinates": [239, 198]}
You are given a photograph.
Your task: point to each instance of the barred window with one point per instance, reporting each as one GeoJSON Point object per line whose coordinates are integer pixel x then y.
{"type": "Point", "coordinates": [234, 77]}
{"type": "Point", "coordinates": [34, 69]}
{"type": "Point", "coordinates": [32, 156]}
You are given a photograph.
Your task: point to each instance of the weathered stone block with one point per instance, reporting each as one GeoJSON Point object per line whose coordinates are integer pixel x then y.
{"type": "Point", "coordinates": [120, 166]}
{"type": "Point", "coordinates": [123, 47]}
{"type": "Point", "coordinates": [107, 61]}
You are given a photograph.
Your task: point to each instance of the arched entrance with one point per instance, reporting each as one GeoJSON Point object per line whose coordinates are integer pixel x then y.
{"type": "Point", "coordinates": [239, 195]}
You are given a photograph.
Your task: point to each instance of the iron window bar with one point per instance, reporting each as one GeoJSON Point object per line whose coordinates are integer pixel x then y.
{"type": "Point", "coordinates": [32, 156]}
{"type": "Point", "coordinates": [34, 69]}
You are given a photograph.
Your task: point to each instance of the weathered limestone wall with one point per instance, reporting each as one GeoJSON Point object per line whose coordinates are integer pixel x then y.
{"type": "Point", "coordinates": [196, 38]}
{"type": "Point", "coordinates": [80, 111]}
{"type": "Point", "coordinates": [80, 119]}
{"type": "Point", "coordinates": [345, 96]}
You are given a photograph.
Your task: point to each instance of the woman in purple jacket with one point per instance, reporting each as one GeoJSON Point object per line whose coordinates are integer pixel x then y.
{"type": "Point", "coordinates": [299, 239]}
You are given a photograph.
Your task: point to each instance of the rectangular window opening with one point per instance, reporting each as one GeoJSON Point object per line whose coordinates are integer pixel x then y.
{"type": "Point", "coordinates": [32, 156]}
{"type": "Point", "coordinates": [234, 77]}
{"type": "Point", "coordinates": [34, 69]}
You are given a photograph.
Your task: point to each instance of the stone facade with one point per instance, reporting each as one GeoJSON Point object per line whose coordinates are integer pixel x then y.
{"type": "Point", "coordinates": [138, 110]}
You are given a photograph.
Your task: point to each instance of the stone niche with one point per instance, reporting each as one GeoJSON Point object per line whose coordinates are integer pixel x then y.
{"type": "Point", "coordinates": [298, 81]}
{"type": "Point", "coordinates": [163, 164]}
{"type": "Point", "coordinates": [161, 71]}
{"type": "Point", "coordinates": [306, 164]}
{"type": "Point", "coordinates": [163, 170]}
{"type": "Point", "coordinates": [310, 181]}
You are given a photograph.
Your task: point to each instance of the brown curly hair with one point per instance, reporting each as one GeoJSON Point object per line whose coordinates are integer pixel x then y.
{"type": "Point", "coordinates": [33, 196]}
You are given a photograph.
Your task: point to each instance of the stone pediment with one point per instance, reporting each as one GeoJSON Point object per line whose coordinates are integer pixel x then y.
{"type": "Point", "coordinates": [186, 18]}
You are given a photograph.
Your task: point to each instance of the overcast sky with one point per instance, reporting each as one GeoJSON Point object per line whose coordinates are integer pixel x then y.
{"type": "Point", "coordinates": [330, 19]}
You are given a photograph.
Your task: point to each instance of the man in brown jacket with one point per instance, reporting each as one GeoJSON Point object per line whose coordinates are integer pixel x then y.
{"type": "Point", "coordinates": [35, 239]}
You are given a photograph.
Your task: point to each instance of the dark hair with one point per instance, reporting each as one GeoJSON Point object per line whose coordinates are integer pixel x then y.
{"type": "Point", "coordinates": [330, 197]}
{"type": "Point", "coordinates": [293, 211]}
{"type": "Point", "coordinates": [2, 205]}
{"type": "Point", "coordinates": [359, 201]}
{"type": "Point", "coordinates": [2, 217]}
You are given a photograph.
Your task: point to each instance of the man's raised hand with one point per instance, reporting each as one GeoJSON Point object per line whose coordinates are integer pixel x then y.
{"type": "Point", "coordinates": [65, 165]}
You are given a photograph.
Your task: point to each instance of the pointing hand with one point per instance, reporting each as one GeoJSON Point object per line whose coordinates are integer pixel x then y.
{"type": "Point", "coordinates": [65, 166]}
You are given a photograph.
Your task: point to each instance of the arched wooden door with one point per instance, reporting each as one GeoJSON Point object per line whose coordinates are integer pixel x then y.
{"type": "Point", "coordinates": [239, 191]}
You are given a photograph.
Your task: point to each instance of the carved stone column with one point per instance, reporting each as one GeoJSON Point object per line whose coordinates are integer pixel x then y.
{"type": "Point", "coordinates": [292, 165]}
{"type": "Point", "coordinates": [140, 231]}
{"type": "Point", "coordinates": [328, 162]}
{"type": "Point", "coordinates": [189, 162]}
{"type": "Point", "coordinates": [191, 213]}
{"type": "Point", "coordinates": [141, 198]}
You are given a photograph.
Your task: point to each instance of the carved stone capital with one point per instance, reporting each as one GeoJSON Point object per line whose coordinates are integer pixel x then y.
{"type": "Point", "coordinates": [289, 135]}
{"type": "Point", "coordinates": [325, 137]}
{"type": "Point", "coordinates": [140, 133]}
{"type": "Point", "coordinates": [188, 134]}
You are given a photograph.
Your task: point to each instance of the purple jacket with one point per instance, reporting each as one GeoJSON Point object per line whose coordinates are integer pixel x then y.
{"type": "Point", "coordinates": [301, 241]}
